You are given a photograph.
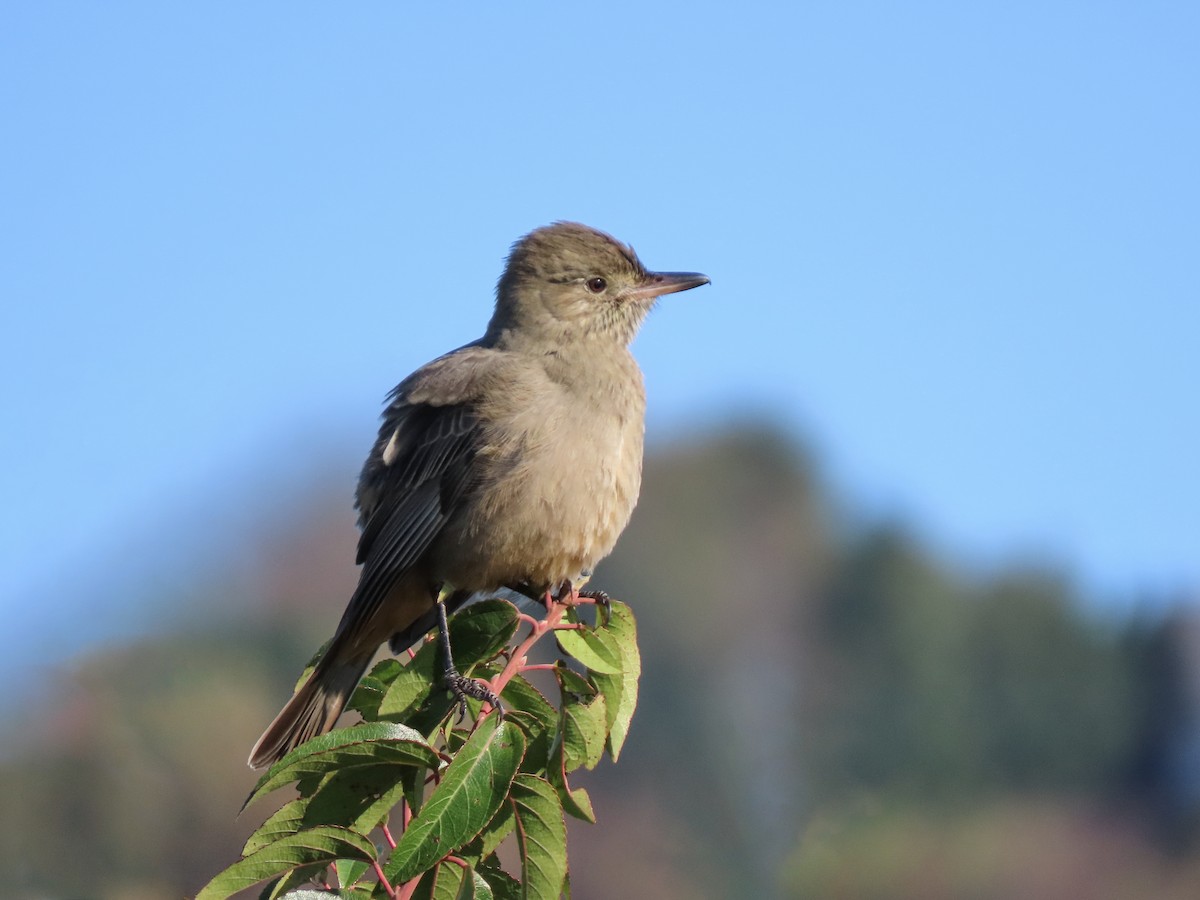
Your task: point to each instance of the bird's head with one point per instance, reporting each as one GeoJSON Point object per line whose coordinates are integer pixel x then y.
{"type": "Point", "coordinates": [568, 282]}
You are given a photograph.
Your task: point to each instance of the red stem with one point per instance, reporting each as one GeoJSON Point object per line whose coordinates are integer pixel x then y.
{"type": "Point", "coordinates": [518, 661]}
{"type": "Point", "coordinates": [391, 891]}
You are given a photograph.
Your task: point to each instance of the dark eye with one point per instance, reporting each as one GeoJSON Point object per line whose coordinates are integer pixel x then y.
{"type": "Point", "coordinates": [596, 285]}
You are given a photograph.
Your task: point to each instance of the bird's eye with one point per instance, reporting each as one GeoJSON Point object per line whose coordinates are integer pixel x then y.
{"type": "Point", "coordinates": [596, 285]}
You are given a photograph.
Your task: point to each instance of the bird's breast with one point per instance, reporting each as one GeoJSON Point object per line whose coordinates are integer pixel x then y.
{"type": "Point", "coordinates": [561, 470]}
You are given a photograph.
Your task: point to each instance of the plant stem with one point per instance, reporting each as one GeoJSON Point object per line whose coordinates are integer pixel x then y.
{"type": "Point", "coordinates": [538, 628]}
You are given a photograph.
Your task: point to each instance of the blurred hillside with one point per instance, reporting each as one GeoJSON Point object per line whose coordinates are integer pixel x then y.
{"type": "Point", "coordinates": [829, 709]}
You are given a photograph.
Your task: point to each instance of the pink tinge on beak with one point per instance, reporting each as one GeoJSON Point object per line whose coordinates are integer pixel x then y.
{"type": "Point", "coordinates": [655, 284]}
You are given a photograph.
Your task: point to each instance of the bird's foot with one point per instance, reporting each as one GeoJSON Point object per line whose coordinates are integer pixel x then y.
{"type": "Point", "coordinates": [463, 687]}
{"type": "Point", "coordinates": [567, 594]}
{"type": "Point", "coordinates": [603, 603]}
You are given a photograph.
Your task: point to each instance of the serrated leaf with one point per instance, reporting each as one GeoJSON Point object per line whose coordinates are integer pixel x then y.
{"type": "Point", "coordinates": [450, 881]}
{"type": "Point", "coordinates": [350, 870]}
{"type": "Point", "coordinates": [575, 802]}
{"type": "Point", "coordinates": [485, 843]}
{"type": "Point", "coordinates": [414, 788]}
{"type": "Point", "coordinates": [584, 720]}
{"type": "Point", "coordinates": [621, 690]}
{"type": "Point", "coordinates": [519, 694]}
{"type": "Point", "coordinates": [472, 788]}
{"type": "Point", "coordinates": [318, 845]}
{"type": "Point", "coordinates": [410, 688]}
{"type": "Point", "coordinates": [581, 805]}
{"type": "Point", "coordinates": [541, 837]}
{"type": "Point", "coordinates": [433, 713]}
{"type": "Point", "coordinates": [371, 688]}
{"type": "Point", "coordinates": [442, 882]}
{"type": "Point", "coordinates": [621, 632]}
{"type": "Point", "coordinates": [376, 813]}
{"type": "Point", "coordinates": [597, 648]}
{"type": "Point", "coordinates": [479, 888]}
{"type": "Point", "coordinates": [358, 797]}
{"type": "Point", "coordinates": [538, 718]}
{"type": "Point", "coordinates": [477, 634]}
{"type": "Point", "coordinates": [480, 631]}
{"type": "Point", "coordinates": [285, 820]}
{"type": "Point", "coordinates": [503, 885]}
{"type": "Point", "coordinates": [287, 884]}
{"type": "Point", "coordinates": [366, 744]}
{"type": "Point", "coordinates": [620, 702]}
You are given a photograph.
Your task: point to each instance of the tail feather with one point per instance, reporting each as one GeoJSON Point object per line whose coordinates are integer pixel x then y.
{"type": "Point", "coordinates": [313, 709]}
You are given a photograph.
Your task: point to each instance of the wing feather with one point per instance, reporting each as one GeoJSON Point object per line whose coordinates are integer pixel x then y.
{"type": "Point", "coordinates": [404, 503]}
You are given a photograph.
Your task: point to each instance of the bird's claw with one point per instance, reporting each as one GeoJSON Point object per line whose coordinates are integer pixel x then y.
{"type": "Point", "coordinates": [602, 600]}
{"type": "Point", "coordinates": [463, 687]}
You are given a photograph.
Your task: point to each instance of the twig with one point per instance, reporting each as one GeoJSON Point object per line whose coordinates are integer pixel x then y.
{"type": "Point", "coordinates": [538, 630]}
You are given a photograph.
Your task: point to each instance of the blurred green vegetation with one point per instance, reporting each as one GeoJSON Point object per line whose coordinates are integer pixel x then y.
{"type": "Point", "coordinates": [829, 709]}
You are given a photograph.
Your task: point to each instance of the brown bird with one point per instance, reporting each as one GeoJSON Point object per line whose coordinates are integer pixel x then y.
{"type": "Point", "coordinates": [514, 461]}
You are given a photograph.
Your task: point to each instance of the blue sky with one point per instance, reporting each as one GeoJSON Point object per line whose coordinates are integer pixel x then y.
{"type": "Point", "coordinates": [953, 245]}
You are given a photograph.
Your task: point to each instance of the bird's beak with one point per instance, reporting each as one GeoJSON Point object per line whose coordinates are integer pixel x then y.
{"type": "Point", "coordinates": [655, 284]}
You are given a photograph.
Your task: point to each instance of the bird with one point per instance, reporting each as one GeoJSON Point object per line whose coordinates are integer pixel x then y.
{"type": "Point", "coordinates": [514, 462]}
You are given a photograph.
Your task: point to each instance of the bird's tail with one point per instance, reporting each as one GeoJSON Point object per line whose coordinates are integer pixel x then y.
{"type": "Point", "coordinates": [314, 708]}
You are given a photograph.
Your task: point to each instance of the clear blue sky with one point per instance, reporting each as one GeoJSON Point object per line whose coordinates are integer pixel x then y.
{"type": "Point", "coordinates": [955, 245]}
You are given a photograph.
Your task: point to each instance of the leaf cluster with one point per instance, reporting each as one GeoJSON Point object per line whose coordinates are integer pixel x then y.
{"type": "Point", "coordinates": [451, 793]}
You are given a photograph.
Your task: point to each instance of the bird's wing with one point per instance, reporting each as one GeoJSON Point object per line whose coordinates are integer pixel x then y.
{"type": "Point", "coordinates": [416, 474]}
{"type": "Point", "coordinates": [420, 468]}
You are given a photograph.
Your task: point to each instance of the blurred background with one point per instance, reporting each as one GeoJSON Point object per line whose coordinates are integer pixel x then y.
{"type": "Point", "coordinates": [916, 561]}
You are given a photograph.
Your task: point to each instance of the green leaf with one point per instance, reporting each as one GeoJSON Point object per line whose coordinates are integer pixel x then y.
{"type": "Point", "coordinates": [620, 694]}
{"type": "Point", "coordinates": [526, 705]}
{"type": "Point", "coordinates": [575, 802]}
{"type": "Point", "coordinates": [480, 631]}
{"type": "Point", "coordinates": [414, 788]}
{"type": "Point", "coordinates": [477, 634]}
{"type": "Point", "coordinates": [442, 882]}
{"type": "Point", "coordinates": [519, 694]}
{"type": "Point", "coordinates": [597, 648]}
{"type": "Point", "coordinates": [366, 744]}
{"type": "Point", "coordinates": [622, 627]}
{"type": "Point", "coordinates": [449, 881]}
{"type": "Point", "coordinates": [580, 805]}
{"type": "Point", "coordinates": [318, 845]}
{"type": "Point", "coordinates": [496, 831]}
{"type": "Point", "coordinates": [285, 820]}
{"type": "Point", "coordinates": [472, 788]}
{"type": "Point", "coordinates": [371, 689]}
{"type": "Point", "coordinates": [485, 843]}
{"type": "Point", "coordinates": [503, 885]}
{"type": "Point", "coordinates": [286, 886]}
{"type": "Point", "coordinates": [350, 870]}
{"type": "Point", "coordinates": [584, 720]}
{"type": "Point", "coordinates": [541, 837]}
{"type": "Point", "coordinates": [411, 687]}
{"type": "Point", "coordinates": [479, 888]}
{"type": "Point", "coordinates": [358, 797]}
{"type": "Point", "coordinates": [620, 690]}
